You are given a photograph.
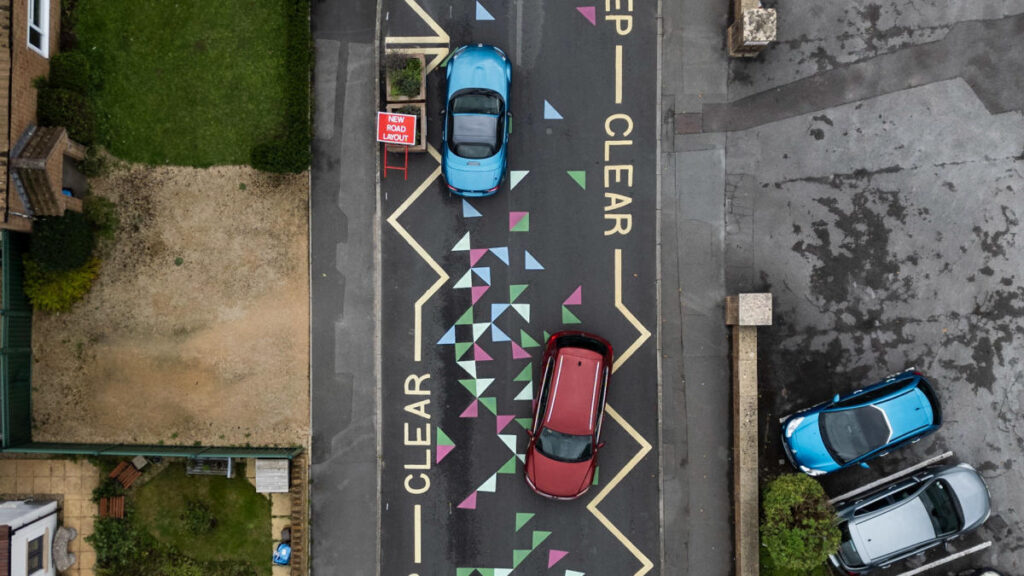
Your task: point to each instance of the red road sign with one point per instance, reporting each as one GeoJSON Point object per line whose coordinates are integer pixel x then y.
{"type": "Point", "coordinates": [396, 128]}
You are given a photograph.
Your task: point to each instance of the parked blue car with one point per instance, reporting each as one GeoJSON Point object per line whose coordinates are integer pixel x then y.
{"type": "Point", "coordinates": [868, 423]}
{"type": "Point", "coordinates": [477, 120]}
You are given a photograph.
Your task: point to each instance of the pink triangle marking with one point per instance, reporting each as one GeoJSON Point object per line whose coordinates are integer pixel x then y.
{"type": "Point", "coordinates": [479, 355]}
{"type": "Point", "coordinates": [576, 298]}
{"type": "Point", "coordinates": [478, 291]}
{"type": "Point", "coordinates": [502, 422]}
{"type": "Point", "coordinates": [475, 254]}
{"type": "Point", "coordinates": [443, 451]}
{"type": "Point", "coordinates": [553, 555]}
{"type": "Point", "coordinates": [589, 13]}
{"type": "Point", "coordinates": [470, 504]}
{"type": "Point", "coordinates": [514, 218]}
{"type": "Point", "coordinates": [517, 352]}
{"type": "Point", "coordinates": [471, 410]}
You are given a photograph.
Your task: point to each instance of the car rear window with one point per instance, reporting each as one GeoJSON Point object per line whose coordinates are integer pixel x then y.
{"type": "Point", "coordinates": [847, 549]}
{"type": "Point", "coordinates": [849, 434]}
{"type": "Point", "coordinates": [941, 505]}
{"type": "Point", "coordinates": [564, 447]}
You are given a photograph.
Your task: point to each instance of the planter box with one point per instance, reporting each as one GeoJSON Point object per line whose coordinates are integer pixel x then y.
{"type": "Point", "coordinates": [423, 81]}
{"type": "Point", "coordinates": [421, 123]}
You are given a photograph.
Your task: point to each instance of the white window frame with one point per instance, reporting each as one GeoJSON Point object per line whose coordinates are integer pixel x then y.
{"type": "Point", "coordinates": [39, 23]}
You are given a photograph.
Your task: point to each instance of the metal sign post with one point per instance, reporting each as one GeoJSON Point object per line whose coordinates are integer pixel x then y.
{"type": "Point", "coordinates": [400, 130]}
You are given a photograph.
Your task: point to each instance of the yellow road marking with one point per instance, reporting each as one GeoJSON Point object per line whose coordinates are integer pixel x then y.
{"type": "Point", "coordinates": [440, 38]}
{"type": "Point", "coordinates": [644, 332]}
{"type": "Point", "coordinates": [618, 74]}
{"type": "Point", "coordinates": [645, 563]}
{"type": "Point", "coordinates": [417, 534]}
{"type": "Point", "coordinates": [437, 53]}
{"type": "Point", "coordinates": [442, 276]}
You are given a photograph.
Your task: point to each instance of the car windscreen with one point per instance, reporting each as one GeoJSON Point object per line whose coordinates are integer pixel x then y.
{"type": "Point", "coordinates": [939, 501]}
{"type": "Point", "coordinates": [849, 434]}
{"type": "Point", "coordinates": [564, 447]}
{"type": "Point", "coordinates": [846, 547]}
{"type": "Point", "coordinates": [474, 123]}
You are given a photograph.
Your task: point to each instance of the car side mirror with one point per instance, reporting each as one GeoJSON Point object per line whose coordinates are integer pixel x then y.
{"type": "Point", "coordinates": [864, 465]}
{"type": "Point", "coordinates": [835, 398]}
{"type": "Point", "coordinates": [443, 111]}
{"type": "Point", "coordinates": [600, 445]}
{"type": "Point", "coordinates": [529, 433]}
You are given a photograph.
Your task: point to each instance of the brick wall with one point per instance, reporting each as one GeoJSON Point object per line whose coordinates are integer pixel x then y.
{"type": "Point", "coordinates": [5, 550]}
{"type": "Point", "coordinates": [27, 64]}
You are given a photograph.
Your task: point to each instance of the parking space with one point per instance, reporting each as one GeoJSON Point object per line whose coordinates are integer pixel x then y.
{"type": "Point", "coordinates": [471, 289]}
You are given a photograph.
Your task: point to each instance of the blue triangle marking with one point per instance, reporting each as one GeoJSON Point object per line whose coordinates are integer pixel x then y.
{"type": "Point", "coordinates": [468, 211]}
{"type": "Point", "coordinates": [449, 337]}
{"type": "Point", "coordinates": [549, 111]}
{"type": "Point", "coordinates": [531, 262]}
{"type": "Point", "coordinates": [502, 253]}
{"type": "Point", "coordinates": [496, 310]}
{"type": "Point", "coordinates": [484, 273]}
{"type": "Point", "coordinates": [482, 13]}
{"type": "Point", "coordinates": [497, 335]}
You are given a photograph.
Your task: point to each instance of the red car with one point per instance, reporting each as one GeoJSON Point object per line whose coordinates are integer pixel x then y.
{"type": "Point", "coordinates": [566, 433]}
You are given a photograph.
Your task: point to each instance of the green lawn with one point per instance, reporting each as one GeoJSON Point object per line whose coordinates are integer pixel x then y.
{"type": "Point", "coordinates": [188, 82]}
{"type": "Point", "coordinates": [243, 517]}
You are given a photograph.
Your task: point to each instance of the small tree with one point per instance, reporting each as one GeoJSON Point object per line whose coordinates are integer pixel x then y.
{"type": "Point", "coordinates": [799, 527]}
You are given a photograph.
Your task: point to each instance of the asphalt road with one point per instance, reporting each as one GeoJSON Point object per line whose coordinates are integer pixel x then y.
{"type": "Point", "coordinates": [552, 253]}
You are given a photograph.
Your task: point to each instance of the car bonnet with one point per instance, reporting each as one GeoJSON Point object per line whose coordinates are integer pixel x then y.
{"type": "Point", "coordinates": [971, 493]}
{"type": "Point", "coordinates": [478, 67]}
{"type": "Point", "coordinates": [808, 448]}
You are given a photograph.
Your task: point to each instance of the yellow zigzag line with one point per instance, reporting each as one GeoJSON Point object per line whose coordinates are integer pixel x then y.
{"type": "Point", "coordinates": [440, 38]}
{"type": "Point", "coordinates": [442, 276]}
{"type": "Point", "coordinates": [645, 563]}
{"type": "Point", "coordinates": [645, 447]}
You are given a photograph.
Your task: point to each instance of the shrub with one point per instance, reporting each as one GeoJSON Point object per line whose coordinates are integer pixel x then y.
{"type": "Point", "coordinates": [407, 78]}
{"type": "Point", "coordinates": [61, 243]}
{"type": "Point", "coordinates": [108, 488]}
{"type": "Point", "coordinates": [71, 71]}
{"type": "Point", "coordinates": [799, 528]}
{"type": "Point", "coordinates": [102, 214]}
{"type": "Point", "coordinates": [58, 291]}
{"type": "Point", "coordinates": [197, 517]}
{"type": "Point", "coordinates": [94, 164]}
{"type": "Point", "coordinates": [72, 110]}
{"type": "Point", "coordinates": [123, 548]}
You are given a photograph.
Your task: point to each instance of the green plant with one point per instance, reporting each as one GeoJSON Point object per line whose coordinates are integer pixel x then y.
{"type": "Point", "coordinates": [288, 154]}
{"type": "Point", "coordinates": [71, 71]}
{"type": "Point", "coordinates": [72, 110]}
{"type": "Point", "coordinates": [197, 517]}
{"type": "Point", "coordinates": [123, 548]}
{"type": "Point", "coordinates": [108, 488]}
{"type": "Point", "coordinates": [58, 291]}
{"type": "Point", "coordinates": [94, 164]}
{"type": "Point", "coordinates": [179, 261]}
{"type": "Point", "coordinates": [102, 214]}
{"type": "Point", "coordinates": [62, 243]}
{"type": "Point", "coordinates": [407, 77]}
{"type": "Point", "coordinates": [798, 529]}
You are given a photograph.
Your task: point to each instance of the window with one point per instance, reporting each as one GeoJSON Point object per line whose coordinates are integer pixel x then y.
{"type": "Point", "coordinates": [35, 555]}
{"type": "Point", "coordinates": [39, 26]}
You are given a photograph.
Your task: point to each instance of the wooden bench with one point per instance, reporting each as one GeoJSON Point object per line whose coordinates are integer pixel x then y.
{"type": "Point", "coordinates": [126, 473]}
{"type": "Point", "coordinates": [112, 507]}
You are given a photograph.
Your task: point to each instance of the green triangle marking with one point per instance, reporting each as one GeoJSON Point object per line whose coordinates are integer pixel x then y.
{"type": "Point", "coordinates": [526, 341]}
{"type": "Point", "coordinates": [460, 349]}
{"type": "Point", "coordinates": [518, 556]}
{"type": "Point", "coordinates": [522, 518]}
{"type": "Point", "coordinates": [486, 571]}
{"type": "Point", "coordinates": [525, 422]}
{"type": "Point", "coordinates": [509, 468]}
{"type": "Point", "coordinates": [466, 318]}
{"type": "Point", "coordinates": [580, 176]}
{"type": "Point", "coordinates": [597, 470]}
{"type": "Point", "coordinates": [568, 317]}
{"type": "Point", "coordinates": [464, 571]}
{"type": "Point", "coordinates": [443, 439]}
{"type": "Point", "coordinates": [523, 225]}
{"type": "Point", "coordinates": [491, 403]}
{"type": "Point", "coordinates": [539, 536]}
{"type": "Point", "coordinates": [514, 290]}
{"type": "Point", "coordinates": [547, 336]}
{"type": "Point", "coordinates": [525, 376]}
{"type": "Point", "coordinates": [470, 385]}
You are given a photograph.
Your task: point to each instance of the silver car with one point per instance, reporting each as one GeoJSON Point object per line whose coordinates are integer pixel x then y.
{"type": "Point", "coordinates": [908, 516]}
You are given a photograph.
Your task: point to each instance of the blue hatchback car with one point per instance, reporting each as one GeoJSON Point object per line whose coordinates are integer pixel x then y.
{"type": "Point", "coordinates": [863, 425]}
{"type": "Point", "coordinates": [477, 120]}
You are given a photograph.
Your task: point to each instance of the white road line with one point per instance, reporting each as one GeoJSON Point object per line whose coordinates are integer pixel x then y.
{"type": "Point", "coordinates": [890, 477]}
{"type": "Point", "coordinates": [949, 558]}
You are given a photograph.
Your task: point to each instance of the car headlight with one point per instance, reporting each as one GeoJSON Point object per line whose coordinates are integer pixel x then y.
{"type": "Point", "coordinates": [791, 427]}
{"type": "Point", "coordinates": [811, 471]}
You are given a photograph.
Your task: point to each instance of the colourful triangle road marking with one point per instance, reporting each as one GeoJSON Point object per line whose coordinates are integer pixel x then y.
{"type": "Point", "coordinates": [522, 517]}
{"type": "Point", "coordinates": [508, 467]}
{"type": "Point", "coordinates": [526, 393]}
{"type": "Point", "coordinates": [449, 337]}
{"type": "Point", "coordinates": [501, 252]}
{"type": "Point", "coordinates": [482, 13]}
{"type": "Point", "coordinates": [466, 318]}
{"type": "Point", "coordinates": [568, 317]}
{"type": "Point", "coordinates": [574, 299]}
{"type": "Point", "coordinates": [469, 366]}
{"type": "Point", "coordinates": [518, 353]}
{"type": "Point", "coordinates": [470, 503]}
{"type": "Point", "coordinates": [478, 291]}
{"type": "Point", "coordinates": [539, 536]}
{"type": "Point", "coordinates": [466, 281]}
{"type": "Point", "coordinates": [475, 254]}
{"type": "Point", "coordinates": [491, 403]}
{"type": "Point", "coordinates": [518, 221]}
{"type": "Point", "coordinates": [490, 485]}
{"type": "Point", "coordinates": [443, 439]}
{"type": "Point", "coordinates": [497, 309]}
{"type": "Point", "coordinates": [502, 420]}
{"type": "Point", "coordinates": [443, 451]}
{"type": "Point", "coordinates": [550, 113]}
{"type": "Point", "coordinates": [484, 273]}
{"type": "Point", "coordinates": [514, 290]}
{"type": "Point", "coordinates": [579, 176]}
{"type": "Point", "coordinates": [526, 340]}
{"type": "Point", "coordinates": [515, 177]}
{"type": "Point", "coordinates": [480, 355]}
{"type": "Point", "coordinates": [589, 12]}
{"type": "Point", "coordinates": [462, 244]}
{"type": "Point", "coordinates": [531, 262]}
{"type": "Point", "coordinates": [460, 349]}
{"type": "Point", "coordinates": [471, 411]}
{"type": "Point", "coordinates": [525, 375]}
{"type": "Point", "coordinates": [497, 335]}
{"type": "Point", "coordinates": [554, 556]}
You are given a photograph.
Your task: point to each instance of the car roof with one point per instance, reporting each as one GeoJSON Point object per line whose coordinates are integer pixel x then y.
{"type": "Point", "coordinates": [896, 529]}
{"type": "Point", "coordinates": [574, 393]}
{"type": "Point", "coordinates": [908, 412]}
